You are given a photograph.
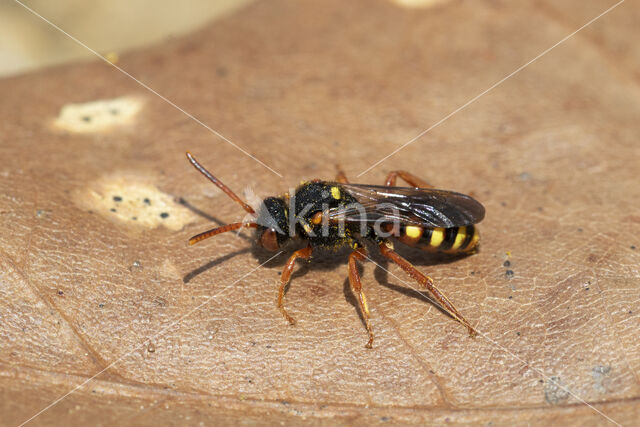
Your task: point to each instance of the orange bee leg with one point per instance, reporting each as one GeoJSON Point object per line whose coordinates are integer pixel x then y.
{"type": "Point", "coordinates": [286, 276]}
{"type": "Point", "coordinates": [341, 177]}
{"type": "Point", "coordinates": [386, 248]}
{"type": "Point", "coordinates": [410, 178]}
{"type": "Point", "coordinates": [356, 288]}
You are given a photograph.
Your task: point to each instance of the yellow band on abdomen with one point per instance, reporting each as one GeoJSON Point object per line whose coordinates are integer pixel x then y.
{"type": "Point", "coordinates": [460, 236]}
{"type": "Point", "coordinates": [437, 237]}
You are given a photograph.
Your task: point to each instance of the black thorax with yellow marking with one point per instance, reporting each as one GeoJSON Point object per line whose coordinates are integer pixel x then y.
{"type": "Point", "coordinates": [316, 197]}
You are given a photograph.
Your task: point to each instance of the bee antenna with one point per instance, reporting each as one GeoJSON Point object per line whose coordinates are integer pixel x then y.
{"type": "Point", "coordinates": [219, 184]}
{"type": "Point", "coordinates": [219, 230]}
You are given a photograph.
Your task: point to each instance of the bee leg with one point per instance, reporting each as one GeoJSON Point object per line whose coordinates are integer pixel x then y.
{"type": "Point", "coordinates": [410, 179]}
{"type": "Point", "coordinates": [341, 177]}
{"type": "Point", "coordinates": [356, 288]}
{"type": "Point", "coordinates": [386, 248]}
{"type": "Point", "coordinates": [286, 276]}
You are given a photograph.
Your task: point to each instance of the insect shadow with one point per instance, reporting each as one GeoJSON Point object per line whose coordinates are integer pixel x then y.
{"type": "Point", "coordinates": [331, 260]}
{"type": "Point", "coordinates": [381, 274]}
{"type": "Point", "coordinates": [207, 216]}
{"type": "Point", "coordinates": [263, 257]}
{"type": "Point", "coordinates": [193, 273]}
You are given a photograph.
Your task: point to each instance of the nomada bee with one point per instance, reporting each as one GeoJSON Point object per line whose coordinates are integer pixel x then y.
{"type": "Point", "coordinates": [333, 214]}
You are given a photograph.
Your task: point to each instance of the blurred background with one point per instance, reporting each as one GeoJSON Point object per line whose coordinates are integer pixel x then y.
{"type": "Point", "coordinates": [110, 27]}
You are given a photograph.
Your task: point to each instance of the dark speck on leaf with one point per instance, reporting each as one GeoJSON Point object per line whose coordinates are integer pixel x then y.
{"type": "Point", "coordinates": [117, 198]}
{"type": "Point", "coordinates": [113, 209]}
{"type": "Point", "coordinates": [633, 247]}
{"type": "Point", "coordinates": [147, 201]}
{"type": "Point", "coordinates": [507, 263]}
{"type": "Point", "coordinates": [86, 118]}
{"type": "Point", "coordinates": [101, 305]}
{"type": "Point", "coordinates": [60, 293]}
{"type": "Point", "coordinates": [518, 333]}
{"type": "Point", "coordinates": [510, 296]}
{"type": "Point", "coordinates": [164, 215]}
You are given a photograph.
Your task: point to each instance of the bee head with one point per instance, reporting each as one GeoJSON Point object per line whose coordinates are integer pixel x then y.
{"type": "Point", "coordinates": [273, 227]}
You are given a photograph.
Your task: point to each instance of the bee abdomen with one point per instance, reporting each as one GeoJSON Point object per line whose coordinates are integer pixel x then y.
{"type": "Point", "coordinates": [452, 240]}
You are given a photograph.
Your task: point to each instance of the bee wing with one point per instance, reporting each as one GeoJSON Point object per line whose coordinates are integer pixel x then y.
{"type": "Point", "coordinates": [408, 205]}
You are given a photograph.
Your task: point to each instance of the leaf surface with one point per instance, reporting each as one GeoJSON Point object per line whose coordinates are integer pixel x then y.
{"type": "Point", "coordinates": [102, 295]}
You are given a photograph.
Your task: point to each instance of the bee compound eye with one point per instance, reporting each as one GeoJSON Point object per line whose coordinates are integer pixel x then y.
{"type": "Point", "coordinates": [269, 240]}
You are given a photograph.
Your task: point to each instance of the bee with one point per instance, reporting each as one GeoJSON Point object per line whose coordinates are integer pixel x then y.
{"type": "Point", "coordinates": [334, 214]}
